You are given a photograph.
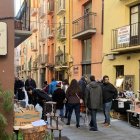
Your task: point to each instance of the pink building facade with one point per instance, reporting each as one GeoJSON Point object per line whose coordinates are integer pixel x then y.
{"type": "Point", "coordinates": [87, 38]}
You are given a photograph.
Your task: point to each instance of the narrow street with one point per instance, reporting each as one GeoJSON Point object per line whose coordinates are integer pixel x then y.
{"type": "Point", "coordinates": [119, 130]}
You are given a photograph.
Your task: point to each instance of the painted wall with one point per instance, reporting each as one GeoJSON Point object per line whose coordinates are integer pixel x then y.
{"type": "Point", "coordinates": [97, 40]}
{"type": "Point", "coordinates": [7, 61]}
{"type": "Point", "coordinates": [118, 17]}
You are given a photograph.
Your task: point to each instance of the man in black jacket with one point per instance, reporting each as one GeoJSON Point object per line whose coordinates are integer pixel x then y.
{"type": "Point", "coordinates": [30, 83]}
{"type": "Point", "coordinates": [18, 85]}
{"type": "Point", "coordinates": [109, 93]}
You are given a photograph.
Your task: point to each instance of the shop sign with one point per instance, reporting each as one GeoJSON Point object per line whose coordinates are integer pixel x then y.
{"type": "Point", "coordinates": [3, 38]}
{"type": "Point", "coordinates": [75, 70]}
{"type": "Point", "coordinates": [123, 35]}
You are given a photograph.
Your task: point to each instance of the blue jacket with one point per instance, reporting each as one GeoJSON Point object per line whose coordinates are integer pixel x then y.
{"type": "Point", "coordinates": [52, 87]}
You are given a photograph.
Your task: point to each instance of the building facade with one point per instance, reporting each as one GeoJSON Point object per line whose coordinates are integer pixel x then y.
{"type": "Point", "coordinates": [47, 50]}
{"type": "Point", "coordinates": [87, 26]}
{"type": "Point", "coordinates": [121, 44]}
{"type": "Point", "coordinates": [62, 39]}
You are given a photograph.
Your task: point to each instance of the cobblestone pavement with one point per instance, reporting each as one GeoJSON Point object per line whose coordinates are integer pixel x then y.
{"type": "Point", "coordinates": [119, 130]}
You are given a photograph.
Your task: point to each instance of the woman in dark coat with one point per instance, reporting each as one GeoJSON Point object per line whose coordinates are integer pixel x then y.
{"type": "Point", "coordinates": [59, 97]}
{"type": "Point", "coordinates": [73, 96]}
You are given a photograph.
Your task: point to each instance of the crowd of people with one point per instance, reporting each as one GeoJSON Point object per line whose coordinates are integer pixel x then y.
{"type": "Point", "coordinates": [95, 95]}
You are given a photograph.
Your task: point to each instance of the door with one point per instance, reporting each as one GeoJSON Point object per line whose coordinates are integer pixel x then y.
{"type": "Point", "coordinates": [87, 19]}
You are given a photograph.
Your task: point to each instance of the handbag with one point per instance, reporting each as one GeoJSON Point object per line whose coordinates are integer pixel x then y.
{"type": "Point", "coordinates": [81, 100]}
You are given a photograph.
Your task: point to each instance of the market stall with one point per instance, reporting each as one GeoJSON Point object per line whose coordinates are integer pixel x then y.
{"type": "Point", "coordinates": [134, 113]}
{"type": "Point", "coordinates": [125, 98]}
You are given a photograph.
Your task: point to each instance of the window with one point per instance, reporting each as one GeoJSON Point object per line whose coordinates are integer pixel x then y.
{"type": "Point", "coordinates": [87, 18]}
{"type": "Point", "coordinates": [135, 25]}
{"type": "Point", "coordinates": [86, 52]}
{"type": "Point", "coordinates": [86, 69]}
{"type": "Point", "coordinates": [119, 70]}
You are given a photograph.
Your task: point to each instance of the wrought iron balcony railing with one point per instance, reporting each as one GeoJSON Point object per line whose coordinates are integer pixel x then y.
{"type": "Point", "coordinates": [84, 26]}
{"type": "Point", "coordinates": [22, 23]}
{"type": "Point", "coordinates": [126, 38]}
{"type": "Point", "coordinates": [61, 33]}
{"type": "Point", "coordinates": [34, 65]}
{"type": "Point", "coordinates": [43, 59]}
{"type": "Point", "coordinates": [61, 59]}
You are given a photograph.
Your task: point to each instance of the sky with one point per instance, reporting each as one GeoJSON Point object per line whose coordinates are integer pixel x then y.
{"type": "Point", "coordinates": [17, 4]}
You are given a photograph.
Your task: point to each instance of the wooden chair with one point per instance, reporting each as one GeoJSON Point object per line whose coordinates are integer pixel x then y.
{"type": "Point", "coordinates": [54, 124]}
{"type": "Point", "coordinates": [49, 107]}
{"type": "Point", "coordinates": [50, 112]}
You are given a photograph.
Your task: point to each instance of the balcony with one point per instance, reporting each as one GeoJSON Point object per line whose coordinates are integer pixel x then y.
{"type": "Point", "coordinates": [34, 12]}
{"type": "Point", "coordinates": [50, 33]}
{"type": "Point", "coordinates": [61, 60]}
{"type": "Point", "coordinates": [50, 7]}
{"type": "Point", "coordinates": [130, 2]}
{"type": "Point", "coordinates": [61, 7]}
{"type": "Point", "coordinates": [22, 23]}
{"type": "Point", "coordinates": [43, 59]}
{"type": "Point", "coordinates": [43, 35]}
{"type": "Point", "coordinates": [84, 26]}
{"type": "Point", "coordinates": [33, 47]}
{"type": "Point", "coordinates": [43, 10]}
{"type": "Point", "coordinates": [34, 65]}
{"type": "Point", "coordinates": [61, 33]}
{"type": "Point", "coordinates": [34, 27]}
{"type": "Point", "coordinates": [126, 39]}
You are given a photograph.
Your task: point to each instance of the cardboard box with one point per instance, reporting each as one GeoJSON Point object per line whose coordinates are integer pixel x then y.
{"type": "Point", "coordinates": [26, 117]}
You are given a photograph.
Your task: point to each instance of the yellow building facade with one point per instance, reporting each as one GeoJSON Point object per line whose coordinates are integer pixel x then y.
{"type": "Point", "coordinates": [63, 40]}
{"type": "Point", "coordinates": [121, 42]}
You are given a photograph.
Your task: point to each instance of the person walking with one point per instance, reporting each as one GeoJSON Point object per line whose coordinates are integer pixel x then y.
{"type": "Point", "coordinates": [93, 101]}
{"type": "Point", "coordinates": [45, 87]}
{"type": "Point", "coordinates": [59, 97]}
{"type": "Point", "coordinates": [109, 93]}
{"type": "Point", "coordinates": [82, 83]}
{"type": "Point", "coordinates": [17, 85]}
{"type": "Point", "coordinates": [73, 96]}
{"type": "Point", "coordinates": [65, 87]}
{"type": "Point", "coordinates": [52, 86]}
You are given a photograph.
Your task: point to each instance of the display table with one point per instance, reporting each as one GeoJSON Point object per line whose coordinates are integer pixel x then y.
{"type": "Point", "coordinates": [121, 105]}
{"type": "Point", "coordinates": [134, 118]}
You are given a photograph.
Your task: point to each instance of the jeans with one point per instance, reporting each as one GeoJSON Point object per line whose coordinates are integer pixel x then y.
{"type": "Point", "coordinates": [61, 112]}
{"type": "Point", "coordinates": [93, 122]}
{"type": "Point", "coordinates": [66, 109]}
{"type": "Point", "coordinates": [106, 110]}
{"type": "Point", "coordinates": [76, 107]}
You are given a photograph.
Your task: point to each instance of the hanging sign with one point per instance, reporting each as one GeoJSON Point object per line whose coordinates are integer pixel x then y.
{"type": "Point", "coordinates": [124, 35]}
{"type": "Point", "coordinates": [3, 38]}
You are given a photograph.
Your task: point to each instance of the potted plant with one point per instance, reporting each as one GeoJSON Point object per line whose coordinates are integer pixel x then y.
{"type": "Point", "coordinates": [6, 108]}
